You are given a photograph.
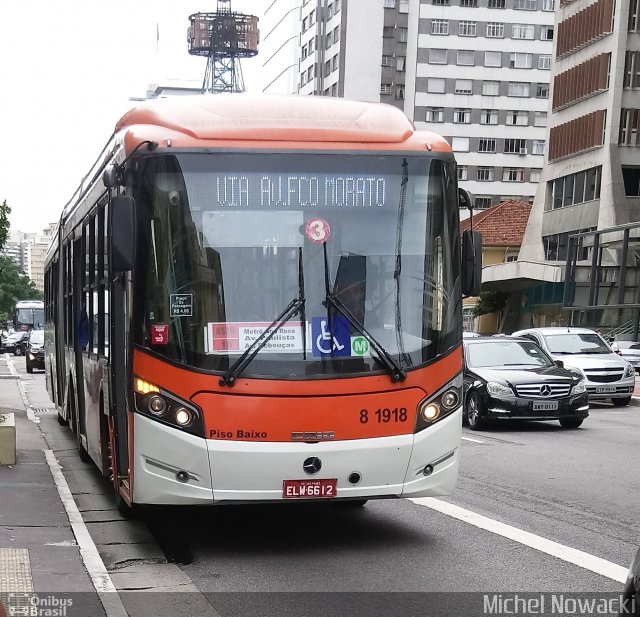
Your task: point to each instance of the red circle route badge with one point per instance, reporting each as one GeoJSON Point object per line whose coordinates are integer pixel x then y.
{"type": "Point", "coordinates": [317, 230]}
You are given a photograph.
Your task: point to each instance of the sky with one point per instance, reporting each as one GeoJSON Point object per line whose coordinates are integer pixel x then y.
{"type": "Point", "coordinates": [67, 71]}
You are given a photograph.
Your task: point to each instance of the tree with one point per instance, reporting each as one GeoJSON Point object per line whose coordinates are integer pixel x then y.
{"type": "Point", "coordinates": [5, 211]}
{"type": "Point", "coordinates": [14, 285]}
{"type": "Point", "coordinates": [490, 302]}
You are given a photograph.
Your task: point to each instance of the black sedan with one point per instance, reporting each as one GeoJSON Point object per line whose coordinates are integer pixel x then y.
{"type": "Point", "coordinates": [513, 378]}
{"type": "Point", "coordinates": [35, 351]}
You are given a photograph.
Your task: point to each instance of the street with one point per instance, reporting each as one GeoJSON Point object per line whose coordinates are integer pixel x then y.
{"type": "Point", "coordinates": [575, 488]}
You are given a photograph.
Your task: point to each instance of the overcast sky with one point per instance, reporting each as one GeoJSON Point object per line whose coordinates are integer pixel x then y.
{"type": "Point", "coordinates": [67, 70]}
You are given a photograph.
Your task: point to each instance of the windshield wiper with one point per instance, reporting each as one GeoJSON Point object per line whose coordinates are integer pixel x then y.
{"type": "Point", "coordinates": [295, 306]}
{"type": "Point", "coordinates": [396, 371]}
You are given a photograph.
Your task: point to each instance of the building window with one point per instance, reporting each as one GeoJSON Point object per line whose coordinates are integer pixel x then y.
{"type": "Point", "coordinates": [632, 69]}
{"type": "Point", "coordinates": [389, 4]}
{"type": "Point", "coordinates": [304, 52]}
{"type": "Point", "coordinates": [467, 28]}
{"type": "Point", "coordinates": [440, 26]}
{"type": "Point", "coordinates": [463, 86]}
{"type": "Point", "coordinates": [466, 57]}
{"type": "Point", "coordinates": [437, 56]}
{"type": "Point", "coordinates": [469, 3]}
{"type": "Point", "coordinates": [385, 88]}
{"type": "Point", "coordinates": [576, 188]}
{"type": "Point", "coordinates": [435, 114]}
{"type": "Point", "coordinates": [496, 4]}
{"type": "Point", "coordinates": [513, 174]}
{"type": "Point", "coordinates": [535, 175]}
{"type": "Point", "coordinates": [402, 35]}
{"type": "Point", "coordinates": [495, 30]}
{"type": "Point", "coordinates": [556, 246]}
{"type": "Point", "coordinates": [517, 118]}
{"type": "Point", "coordinates": [493, 58]}
{"type": "Point", "coordinates": [334, 62]}
{"type": "Point", "coordinates": [460, 144]}
{"type": "Point", "coordinates": [334, 90]}
{"type": "Point", "coordinates": [336, 34]}
{"type": "Point", "coordinates": [387, 60]}
{"type": "Point", "coordinates": [441, 2]}
{"type": "Point", "coordinates": [462, 172]}
{"type": "Point", "coordinates": [461, 116]}
{"type": "Point", "coordinates": [515, 146]}
{"type": "Point", "coordinates": [484, 174]}
{"type": "Point", "coordinates": [629, 125]}
{"type": "Point", "coordinates": [547, 33]}
{"type": "Point", "coordinates": [542, 91]}
{"type": "Point", "coordinates": [520, 61]}
{"type": "Point", "coordinates": [524, 5]}
{"type": "Point", "coordinates": [404, 6]}
{"type": "Point", "coordinates": [490, 88]}
{"type": "Point", "coordinates": [481, 202]}
{"type": "Point", "coordinates": [518, 88]}
{"type": "Point", "coordinates": [634, 16]}
{"type": "Point", "coordinates": [540, 118]}
{"type": "Point", "coordinates": [305, 25]}
{"type": "Point", "coordinates": [631, 178]}
{"type": "Point", "coordinates": [327, 68]}
{"type": "Point", "coordinates": [548, 5]}
{"type": "Point", "coordinates": [487, 145]}
{"type": "Point", "coordinates": [489, 116]}
{"type": "Point", "coordinates": [522, 31]}
{"type": "Point", "coordinates": [400, 92]}
{"type": "Point", "coordinates": [388, 32]}
{"type": "Point", "coordinates": [436, 85]}
{"type": "Point", "coordinates": [537, 146]}
{"type": "Point", "coordinates": [401, 64]}
{"type": "Point", "coordinates": [544, 63]}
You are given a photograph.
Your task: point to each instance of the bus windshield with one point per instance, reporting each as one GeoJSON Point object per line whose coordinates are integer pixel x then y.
{"type": "Point", "coordinates": [228, 241]}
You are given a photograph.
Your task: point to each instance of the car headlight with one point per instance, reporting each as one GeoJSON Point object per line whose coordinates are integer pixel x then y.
{"type": "Point", "coordinates": [630, 372]}
{"type": "Point", "coordinates": [497, 389]}
{"type": "Point", "coordinates": [580, 387]}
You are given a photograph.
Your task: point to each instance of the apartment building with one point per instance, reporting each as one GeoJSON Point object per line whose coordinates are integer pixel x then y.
{"type": "Point", "coordinates": [36, 254]}
{"type": "Point", "coordinates": [475, 71]}
{"type": "Point", "coordinates": [591, 182]}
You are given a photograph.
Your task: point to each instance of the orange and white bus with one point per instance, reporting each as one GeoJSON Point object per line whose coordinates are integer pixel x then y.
{"type": "Point", "coordinates": [259, 299]}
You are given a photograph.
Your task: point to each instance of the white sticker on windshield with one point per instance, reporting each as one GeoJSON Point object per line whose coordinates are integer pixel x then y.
{"type": "Point", "coordinates": [237, 336]}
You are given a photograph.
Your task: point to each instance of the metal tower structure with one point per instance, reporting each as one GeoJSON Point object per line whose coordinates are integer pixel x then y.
{"type": "Point", "coordinates": [224, 37]}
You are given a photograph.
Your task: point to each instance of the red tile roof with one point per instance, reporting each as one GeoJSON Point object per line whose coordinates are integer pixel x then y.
{"type": "Point", "coordinates": [501, 225]}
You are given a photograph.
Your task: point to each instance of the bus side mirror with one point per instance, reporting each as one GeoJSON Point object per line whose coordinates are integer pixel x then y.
{"type": "Point", "coordinates": [471, 263]}
{"type": "Point", "coordinates": [123, 233]}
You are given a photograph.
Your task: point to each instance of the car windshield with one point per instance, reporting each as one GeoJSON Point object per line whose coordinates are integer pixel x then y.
{"type": "Point", "coordinates": [230, 241]}
{"type": "Point", "coordinates": [576, 343]}
{"type": "Point", "coordinates": [37, 337]}
{"type": "Point", "coordinates": [504, 354]}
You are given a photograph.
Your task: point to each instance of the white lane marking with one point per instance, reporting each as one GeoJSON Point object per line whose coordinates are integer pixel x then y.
{"type": "Point", "coordinates": [474, 440]}
{"type": "Point", "coordinates": [555, 549]}
{"type": "Point", "coordinates": [102, 583]}
{"type": "Point", "coordinates": [12, 369]}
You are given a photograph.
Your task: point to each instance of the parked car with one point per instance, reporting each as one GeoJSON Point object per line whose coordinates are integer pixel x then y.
{"type": "Point", "coordinates": [630, 601]}
{"type": "Point", "coordinates": [608, 376]}
{"type": "Point", "coordinates": [35, 351]}
{"type": "Point", "coordinates": [629, 350]}
{"type": "Point", "coordinates": [470, 335]}
{"type": "Point", "coordinates": [514, 379]}
{"type": "Point", "coordinates": [15, 343]}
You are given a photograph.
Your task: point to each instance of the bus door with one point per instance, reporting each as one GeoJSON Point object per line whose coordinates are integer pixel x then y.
{"type": "Point", "coordinates": [81, 332]}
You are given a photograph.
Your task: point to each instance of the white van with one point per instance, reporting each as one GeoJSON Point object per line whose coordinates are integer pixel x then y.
{"type": "Point", "coordinates": [608, 376]}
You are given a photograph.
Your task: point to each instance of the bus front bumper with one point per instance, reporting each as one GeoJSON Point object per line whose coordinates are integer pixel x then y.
{"type": "Point", "coordinates": [172, 467]}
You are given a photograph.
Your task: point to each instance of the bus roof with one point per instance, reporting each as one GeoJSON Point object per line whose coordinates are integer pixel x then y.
{"type": "Point", "coordinates": [30, 304]}
{"type": "Point", "coordinates": [245, 120]}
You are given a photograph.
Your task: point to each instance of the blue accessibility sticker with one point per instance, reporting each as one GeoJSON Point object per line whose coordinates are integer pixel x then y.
{"type": "Point", "coordinates": [330, 337]}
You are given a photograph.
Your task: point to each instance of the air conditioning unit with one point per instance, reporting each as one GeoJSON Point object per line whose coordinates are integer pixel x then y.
{"type": "Point", "coordinates": [523, 151]}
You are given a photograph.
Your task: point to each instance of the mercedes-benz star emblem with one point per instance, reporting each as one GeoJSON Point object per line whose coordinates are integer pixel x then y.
{"type": "Point", "coordinates": [312, 465]}
{"type": "Point", "coordinates": [545, 390]}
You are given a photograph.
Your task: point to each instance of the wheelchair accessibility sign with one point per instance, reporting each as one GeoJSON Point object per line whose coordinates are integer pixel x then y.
{"type": "Point", "coordinates": [330, 337]}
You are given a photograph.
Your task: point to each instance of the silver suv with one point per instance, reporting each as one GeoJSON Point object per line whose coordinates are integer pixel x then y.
{"type": "Point", "coordinates": [608, 376]}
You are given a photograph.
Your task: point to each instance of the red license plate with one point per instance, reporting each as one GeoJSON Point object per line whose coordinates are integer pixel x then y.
{"type": "Point", "coordinates": [309, 489]}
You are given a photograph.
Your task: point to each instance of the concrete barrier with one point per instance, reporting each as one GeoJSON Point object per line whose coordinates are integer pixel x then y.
{"type": "Point", "coordinates": [7, 439]}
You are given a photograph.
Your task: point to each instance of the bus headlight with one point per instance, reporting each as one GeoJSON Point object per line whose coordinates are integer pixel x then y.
{"type": "Point", "coordinates": [444, 402]}
{"type": "Point", "coordinates": [162, 406]}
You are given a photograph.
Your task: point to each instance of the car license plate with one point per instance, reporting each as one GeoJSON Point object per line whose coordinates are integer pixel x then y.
{"type": "Point", "coordinates": [309, 489]}
{"type": "Point", "coordinates": [602, 389]}
{"type": "Point", "coordinates": [545, 405]}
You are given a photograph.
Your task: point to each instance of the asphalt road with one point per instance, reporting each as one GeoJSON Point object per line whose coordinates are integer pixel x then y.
{"type": "Point", "coordinates": [577, 488]}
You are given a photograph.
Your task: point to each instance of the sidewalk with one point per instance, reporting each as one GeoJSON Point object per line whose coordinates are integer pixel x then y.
{"type": "Point", "coordinates": [38, 551]}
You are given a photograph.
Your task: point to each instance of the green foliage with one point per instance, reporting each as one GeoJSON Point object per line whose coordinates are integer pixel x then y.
{"type": "Point", "coordinates": [5, 210]}
{"type": "Point", "coordinates": [490, 302]}
{"type": "Point", "coordinates": [14, 285]}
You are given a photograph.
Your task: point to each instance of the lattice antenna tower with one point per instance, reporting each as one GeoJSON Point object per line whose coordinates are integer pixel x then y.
{"type": "Point", "coordinates": [224, 37]}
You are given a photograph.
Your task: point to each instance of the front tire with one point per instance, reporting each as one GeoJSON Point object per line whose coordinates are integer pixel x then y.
{"type": "Point", "coordinates": [571, 422]}
{"type": "Point", "coordinates": [17, 351]}
{"type": "Point", "coordinates": [29, 368]}
{"type": "Point", "coordinates": [621, 402]}
{"type": "Point", "coordinates": [473, 412]}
